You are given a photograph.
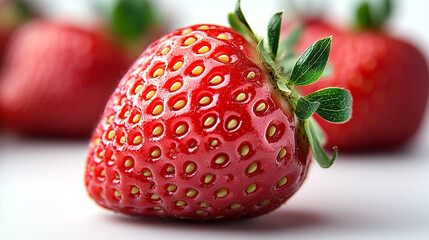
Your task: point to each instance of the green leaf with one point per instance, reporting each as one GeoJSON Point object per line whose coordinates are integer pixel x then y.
{"type": "Point", "coordinates": [311, 63]}
{"type": "Point", "coordinates": [305, 108]}
{"type": "Point", "coordinates": [132, 18]}
{"type": "Point", "coordinates": [241, 17]}
{"type": "Point", "coordinates": [335, 104]}
{"type": "Point", "coordinates": [318, 151]}
{"type": "Point", "coordinates": [274, 26]}
{"type": "Point", "coordinates": [266, 57]}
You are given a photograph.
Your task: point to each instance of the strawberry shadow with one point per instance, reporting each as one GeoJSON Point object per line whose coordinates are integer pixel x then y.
{"type": "Point", "coordinates": [280, 220]}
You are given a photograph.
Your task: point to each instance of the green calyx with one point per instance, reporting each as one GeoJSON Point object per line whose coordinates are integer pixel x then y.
{"type": "Point", "coordinates": [373, 14]}
{"type": "Point", "coordinates": [129, 21]}
{"type": "Point", "coordinates": [289, 70]}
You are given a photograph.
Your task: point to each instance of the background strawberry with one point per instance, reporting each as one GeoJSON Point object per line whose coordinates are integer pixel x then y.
{"type": "Point", "coordinates": [198, 128]}
{"type": "Point", "coordinates": [12, 14]}
{"type": "Point", "coordinates": [387, 77]}
{"type": "Point", "coordinates": [60, 86]}
{"type": "Point", "coordinates": [58, 76]}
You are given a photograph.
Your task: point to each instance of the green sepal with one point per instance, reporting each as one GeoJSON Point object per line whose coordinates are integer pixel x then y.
{"type": "Point", "coordinates": [235, 24]}
{"type": "Point", "coordinates": [373, 14]}
{"type": "Point", "coordinates": [305, 108]}
{"type": "Point", "coordinates": [266, 57]}
{"type": "Point", "coordinates": [240, 16]}
{"type": "Point", "coordinates": [282, 84]}
{"type": "Point", "coordinates": [335, 104]}
{"type": "Point", "coordinates": [130, 19]}
{"type": "Point", "coordinates": [311, 63]}
{"type": "Point", "coordinates": [318, 152]}
{"type": "Point", "coordinates": [273, 33]}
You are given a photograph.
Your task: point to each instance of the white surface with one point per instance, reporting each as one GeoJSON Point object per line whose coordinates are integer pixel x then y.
{"type": "Point", "coordinates": [374, 196]}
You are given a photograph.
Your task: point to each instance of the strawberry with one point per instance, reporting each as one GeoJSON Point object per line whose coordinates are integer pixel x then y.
{"type": "Point", "coordinates": [12, 14]}
{"type": "Point", "coordinates": [57, 77]}
{"type": "Point", "coordinates": [57, 88]}
{"type": "Point", "coordinates": [199, 129]}
{"type": "Point", "coordinates": [375, 67]}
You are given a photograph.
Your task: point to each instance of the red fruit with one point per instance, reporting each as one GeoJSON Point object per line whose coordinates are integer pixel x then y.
{"type": "Point", "coordinates": [388, 79]}
{"type": "Point", "coordinates": [56, 79]}
{"type": "Point", "coordinates": [196, 130]}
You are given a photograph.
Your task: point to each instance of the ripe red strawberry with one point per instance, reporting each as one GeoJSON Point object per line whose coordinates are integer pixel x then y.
{"type": "Point", "coordinates": [198, 129]}
{"type": "Point", "coordinates": [56, 79]}
{"type": "Point", "coordinates": [387, 77]}
{"type": "Point", "coordinates": [12, 14]}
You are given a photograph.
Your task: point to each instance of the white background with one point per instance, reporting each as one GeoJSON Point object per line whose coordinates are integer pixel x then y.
{"type": "Point", "coordinates": [369, 196]}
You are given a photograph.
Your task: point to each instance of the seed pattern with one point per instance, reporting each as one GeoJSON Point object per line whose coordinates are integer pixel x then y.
{"type": "Point", "coordinates": [214, 143]}
{"type": "Point", "coordinates": [136, 118]}
{"type": "Point", "coordinates": [260, 107]}
{"type": "Point", "coordinates": [223, 36]}
{"type": "Point", "coordinates": [205, 100]}
{"type": "Point", "coordinates": [129, 163]}
{"type": "Point", "coordinates": [220, 159]}
{"type": "Point", "coordinates": [271, 131]}
{"type": "Point", "coordinates": [203, 49]}
{"type": "Point", "coordinates": [181, 129]}
{"type": "Point", "coordinates": [209, 121]}
{"type": "Point", "coordinates": [190, 167]}
{"type": "Point", "coordinates": [232, 124]}
{"type": "Point", "coordinates": [252, 168]}
{"type": "Point", "coordinates": [177, 65]}
{"type": "Point", "coordinates": [197, 70]}
{"type": "Point", "coordinates": [216, 80]}
{"type": "Point", "coordinates": [157, 110]}
{"type": "Point", "coordinates": [208, 178]}
{"type": "Point", "coordinates": [251, 188]}
{"type": "Point", "coordinates": [240, 97]}
{"type": "Point", "coordinates": [150, 94]}
{"type": "Point", "coordinates": [221, 193]}
{"type": "Point", "coordinates": [137, 140]}
{"type": "Point", "coordinates": [189, 41]}
{"type": "Point", "coordinates": [179, 104]}
{"type": "Point", "coordinates": [135, 190]}
{"type": "Point", "coordinates": [111, 135]}
{"type": "Point", "coordinates": [191, 193]}
{"type": "Point", "coordinates": [175, 86]}
{"type": "Point", "coordinates": [251, 75]}
{"type": "Point", "coordinates": [156, 152]}
{"type": "Point", "coordinates": [282, 182]}
{"type": "Point", "coordinates": [235, 206]}
{"type": "Point", "coordinates": [244, 150]}
{"type": "Point", "coordinates": [157, 130]}
{"type": "Point", "coordinates": [165, 50]}
{"type": "Point", "coordinates": [138, 88]}
{"type": "Point", "coordinates": [223, 58]}
{"type": "Point", "coordinates": [158, 72]}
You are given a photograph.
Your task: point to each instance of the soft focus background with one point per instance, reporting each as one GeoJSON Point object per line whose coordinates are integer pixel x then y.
{"type": "Point", "coordinates": [372, 196]}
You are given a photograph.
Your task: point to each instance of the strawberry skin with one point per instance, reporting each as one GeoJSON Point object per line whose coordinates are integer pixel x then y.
{"type": "Point", "coordinates": [195, 130]}
{"type": "Point", "coordinates": [389, 82]}
{"type": "Point", "coordinates": [56, 79]}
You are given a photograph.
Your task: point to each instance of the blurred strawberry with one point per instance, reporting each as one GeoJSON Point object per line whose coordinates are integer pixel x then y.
{"type": "Point", "coordinates": [58, 77]}
{"type": "Point", "coordinates": [387, 77]}
{"type": "Point", "coordinates": [12, 14]}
